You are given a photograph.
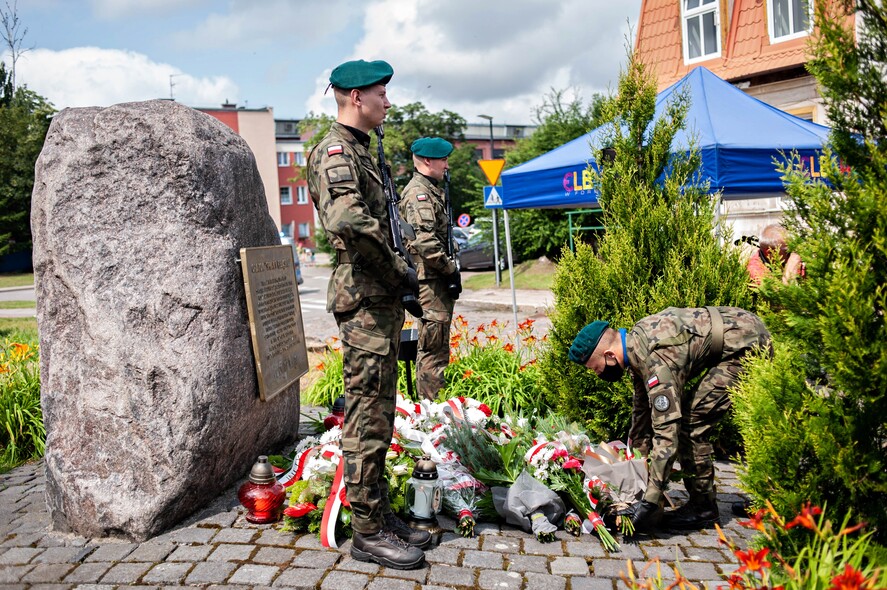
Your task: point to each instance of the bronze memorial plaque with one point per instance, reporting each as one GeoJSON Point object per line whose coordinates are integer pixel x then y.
{"type": "Point", "coordinates": [275, 317]}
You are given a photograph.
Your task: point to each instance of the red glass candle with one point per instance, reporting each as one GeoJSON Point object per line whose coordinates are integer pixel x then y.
{"type": "Point", "coordinates": [262, 495]}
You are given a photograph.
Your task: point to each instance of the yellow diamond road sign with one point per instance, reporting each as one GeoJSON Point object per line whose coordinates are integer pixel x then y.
{"type": "Point", "coordinates": [492, 169]}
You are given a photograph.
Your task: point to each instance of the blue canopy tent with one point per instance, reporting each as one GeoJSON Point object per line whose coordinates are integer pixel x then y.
{"type": "Point", "coordinates": [738, 136]}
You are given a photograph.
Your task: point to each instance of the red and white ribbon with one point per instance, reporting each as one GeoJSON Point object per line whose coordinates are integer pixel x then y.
{"type": "Point", "coordinates": [331, 510]}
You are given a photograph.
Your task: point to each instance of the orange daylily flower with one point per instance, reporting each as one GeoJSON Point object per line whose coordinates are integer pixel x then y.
{"type": "Point", "coordinates": [492, 338]}
{"type": "Point", "coordinates": [509, 347]}
{"type": "Point", "coordinates": [755, 522]}
{"type": "Point", "coordinates": [467, 374]}
{"type": "Point", "coordinates": [851, 579]}
{"type": "Point", "coordinates": [494, 323]}
{"type": "Point", "coordinates": [805, 518]}
{"type": "Point", "coordinates": [751, 560]}
{"type": "Point", "coordinates": [4, 368]}
{"type": "Point", "coordinates": [530, 340]}
{"type": "Point", "coordinates": [19, 351]}
{"type": "Point", "coordinates": [481, 328]}
{"type": "Point", "coordinates": [320, 366]}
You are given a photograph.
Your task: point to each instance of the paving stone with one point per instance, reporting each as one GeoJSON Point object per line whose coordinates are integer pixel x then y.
{"type": "Point", "coordinates": [697, 570]}
{"type": "Point", "coordinates": [234, 536]}
{"type": "Point", "coordinates": [88, 573]}
{"type": "Point", "coordinates": [254, 574]}
{"type": "Point", "coordinates": [229, 552]}
{"type": "Point", "coordinates": [193, 535]}
{"type": "Point", "coordinates": [125, 573]}
{"type": "Point", "coordinates": [451, 576]}
{"type": "Point", "coordinates": [150, 551]}
{"type": "Point", "coordinates": [363, 567]}
{"type": "Point", "coordinates": [448, 555]}
{"type": "Point", "coordinates": [210, 573]}
{"type": "Point", "coordinates": [501, 544]}
{"type": "Point", "coordinates": [418, 575]}
{"type": "Point", "coordinates": [51, 541]}
{"type": "Point", "coordinates": [491, 579]}
{"type": "Point", "coordinates": [627, 550]}
{"type": "Point", "coordinates": [63, 555]}
{"type": "Point", "coordinates": [317, 559]}
{"type": "Point", "coordinates": [528, 563]}
{"type": "Point", "coordinates": [666, 554]}
{"type": "Point", "coordinates": [11, 574]}
{"type": "Point", "coordinates": [19, 555]}
{"type": "Point", "coordinates": [50, 587]}
{"type": "Point", "coordinates": [275, 537]}
{"type": "Point", "coordinates": [218, 520]}
{"type": "Point", "coordinates": [47, 573]}
{"type": "Point", "coordinates": [111, 552]}
{"type": "Point", "coordinates": [95, 587]}
{"type": "Point", "coordinates": [569, 566]}
{"type": "Point", "coordinates": [23, 539]}
{"type": "Point", "coordinates": [702, 554]}
{"type": "Point", "coordinates": [533, 546]}
{"type": "Point", "coordinates": [707, 541]}
{"type": "Point", "coordinates": [391, 584]}
{"type": "Point", "coordinates": [190, 553]}
{"type": "Point", "coordinates": [608, 568]}
{"type": "Point", "coordinates": [588, 583]}
{"type": "Point", "coordinates": [309, 542]}
{"type": "Point", "coordinates": [460, 542]}
{"type": "Point", "coordinates": [537, 581]}
{"type": "Point", "coordinates": [337, 580]}
{"type": "Point", "coordinates": [585, 548]}
{"type": "Point", "coordinates": [166, 573]}
{"type": "Point", "coordinates": [483, 559]}
{"type": "Point", "coordinates": [299, 578]}
{"type": "Point", "coordinates": [274, 555]}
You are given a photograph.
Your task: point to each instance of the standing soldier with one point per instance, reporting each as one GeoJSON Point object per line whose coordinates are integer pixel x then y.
{"type": "Point", "coordinates": [663, 352]}
{"type": "Point", "coordinates": [347, 191]}
{"type": "Point", "coordinates": [423, 205]}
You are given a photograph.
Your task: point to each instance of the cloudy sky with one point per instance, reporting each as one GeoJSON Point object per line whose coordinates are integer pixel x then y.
{"type": "Point", "coordinates": [496, 57]}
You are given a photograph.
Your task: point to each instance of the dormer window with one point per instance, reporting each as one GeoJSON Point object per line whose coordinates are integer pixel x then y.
{"type": "Point", "coordinates": [701, 35]}
{"type": "Point", "coordinates": [788, 19]}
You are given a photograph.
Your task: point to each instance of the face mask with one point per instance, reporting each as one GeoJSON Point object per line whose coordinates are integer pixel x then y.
{"type": "Point", "coordinates": [611, 373]}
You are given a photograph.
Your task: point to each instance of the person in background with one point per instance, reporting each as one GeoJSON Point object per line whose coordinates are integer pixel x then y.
{"type": "Point", "coordinates": [347, 192]}
{"type": "Point", "coordinates": [772, 244]}
{"type": "Point", "coordinates": [423, 206]}
{"type": "Point", "coordinates": [663, 353]}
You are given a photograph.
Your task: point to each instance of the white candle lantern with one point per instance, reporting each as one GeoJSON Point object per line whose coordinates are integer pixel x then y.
{"type": "Point", "coordinates": [423, 495]}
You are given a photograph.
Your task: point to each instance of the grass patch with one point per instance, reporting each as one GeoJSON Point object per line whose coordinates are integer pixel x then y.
{"type": "Point", "coordinates": [533, 274]}
{"type": "Point", "coordinates": [17, 304]}
{"type": "Point", "coordinates": [16, 279]}
{"type": "Point", "coordinates": [18, 329]}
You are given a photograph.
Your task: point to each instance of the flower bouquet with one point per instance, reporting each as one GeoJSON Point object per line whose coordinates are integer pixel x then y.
{"type": "Point", "coordinates": [461, 493]}
{"type": "Point", "coordinates": [615, 475]}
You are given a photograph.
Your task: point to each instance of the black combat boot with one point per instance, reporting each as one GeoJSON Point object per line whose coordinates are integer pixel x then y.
{"type": "Point", "coordinates": [410, 536]}
{"type": "Point", "coordinates": [694, 515]}
{"type": "Point", "coordinates": [386, 549]}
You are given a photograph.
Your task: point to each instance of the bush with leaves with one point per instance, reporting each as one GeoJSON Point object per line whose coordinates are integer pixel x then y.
{"type": "Point", "coordinates": [22, 434]}
{"type": "Point", "coordinates": [661, 249]}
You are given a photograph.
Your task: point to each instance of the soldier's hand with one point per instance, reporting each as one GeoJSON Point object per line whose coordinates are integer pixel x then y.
{"type": "Point", "coordinates": [454, 284]}
{"type": "Point", "coordinates": [411, 281]}
{"type": "Point", "coordinates": [641, 515]}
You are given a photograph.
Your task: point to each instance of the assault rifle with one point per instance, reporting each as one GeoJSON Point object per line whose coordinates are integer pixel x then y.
{"type": "Point", "coordinates": [452, 287]}
{"type": "Point", "coordinates": [407, 297]}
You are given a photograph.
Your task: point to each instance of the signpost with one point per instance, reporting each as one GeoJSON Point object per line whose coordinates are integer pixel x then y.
{"type": "Point", "coordinates": [464, 220]}
{"type": "Point", "coordinates": [492, 170]}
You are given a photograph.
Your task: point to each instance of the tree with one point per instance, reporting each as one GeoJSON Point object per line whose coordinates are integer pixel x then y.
{"type": "Point", "coordinates": [814, 421]}
{"type": "Point", "coordinates": [13, 35]}
{"type": "Point", "coordinates": [24, 121]}
{"type": "Point", "coordinates": [661, 249]}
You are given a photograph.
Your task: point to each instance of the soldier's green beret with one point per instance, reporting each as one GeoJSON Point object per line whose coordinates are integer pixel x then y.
{"type": "Point", "coordinates": [432, 147]}
{"type": "Point", "coordinates": [586, 341]}
{"type": "Point", "coordinates": [360, 73]}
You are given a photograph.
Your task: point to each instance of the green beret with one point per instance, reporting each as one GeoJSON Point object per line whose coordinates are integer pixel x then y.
{"type": "Point", "coordinates": [360, 73]}
{"type": "Point", "coordinates": [432, 147]}
{"type": "Point", "coordinates": [586, 341]}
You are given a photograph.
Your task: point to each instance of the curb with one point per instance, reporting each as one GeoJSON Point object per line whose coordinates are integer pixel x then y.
{"type": "Point", "coordinates": [22, 288]}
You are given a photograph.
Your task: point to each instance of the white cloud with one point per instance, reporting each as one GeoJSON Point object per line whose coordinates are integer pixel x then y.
{"type": "Point", "coordinates": [120, 9]}
{"type": "Point", "coordinates": [90, 76]}
{"type": "Point", "coordinates": [498, 57]}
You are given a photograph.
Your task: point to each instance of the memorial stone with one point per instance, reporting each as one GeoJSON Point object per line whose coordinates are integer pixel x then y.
{"type": "Point", "coordinates": [148, 382]}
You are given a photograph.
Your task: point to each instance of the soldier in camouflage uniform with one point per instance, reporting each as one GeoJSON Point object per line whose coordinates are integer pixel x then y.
{"type": "Point", "coordinates": [663, 352]}
{"type": "Point", "coordinates": [423, 206]}
{"type": "Point", "coordinates": [346, 188]}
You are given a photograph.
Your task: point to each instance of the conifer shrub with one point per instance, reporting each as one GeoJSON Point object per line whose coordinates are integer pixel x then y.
{"type": "Point", "coordinates": [662, 247]}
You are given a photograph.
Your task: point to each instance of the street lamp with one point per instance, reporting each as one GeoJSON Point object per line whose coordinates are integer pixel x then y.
{"type": "Point", "coordinates": [495, 216]}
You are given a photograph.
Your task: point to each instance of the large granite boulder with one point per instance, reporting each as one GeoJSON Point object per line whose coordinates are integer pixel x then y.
{"type": "Point", "coordinates": [147, 376]}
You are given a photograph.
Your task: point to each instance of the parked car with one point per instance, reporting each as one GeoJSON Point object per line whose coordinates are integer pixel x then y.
{"type": "Point", "coordinates": [477, 252]}
{"type": "Point", "coordinates": [286, 240]}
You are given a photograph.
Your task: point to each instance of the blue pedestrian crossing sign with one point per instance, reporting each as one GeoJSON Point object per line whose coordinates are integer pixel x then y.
{"type": "Point", "coordinates": [492, 197]}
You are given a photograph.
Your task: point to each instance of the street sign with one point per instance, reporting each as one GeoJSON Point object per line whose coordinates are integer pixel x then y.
{"type": "Point", "coordinates": [464, 220]}
{"type": "Point", "coordinates": [492, 198]}
{"type": "Point", "coordinates": [492, 169]}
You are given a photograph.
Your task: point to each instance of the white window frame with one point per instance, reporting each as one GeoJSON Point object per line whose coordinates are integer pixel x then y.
{"type": "Point", "coordinates": [302, 195]}
{"type": "Point", "coordinates": [307, 232]}
{"type": "Point", "coordinates": [771, 22]}
{"type": "Point", "coordinates": [286, 195]}
{"type": "Point", "coordinates": [283, 159]}
{"type": "Point", "coordinates": [698, 12]}
{"type": "Point", "coordinates": [287, 230]}
{"type": "Point", "coordinates": [299, 158]}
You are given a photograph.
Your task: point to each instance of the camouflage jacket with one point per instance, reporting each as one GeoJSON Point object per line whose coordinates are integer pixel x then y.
{"type": "Point", "coordinates": [346, 188]}
{"type": "Point", "coordinates": [665, 351]}
{"type": "Point", "coordinates": [423, 206]}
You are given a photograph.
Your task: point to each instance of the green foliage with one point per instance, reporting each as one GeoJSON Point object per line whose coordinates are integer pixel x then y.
{"type": "Point", "coordinates": [661, 249]}
{"type": "Point", "coordinates": [830, 402]}
{"type": "Point", "coordinates": [24, 121]}
{"type": "Point", "coordinates": [22, 434]}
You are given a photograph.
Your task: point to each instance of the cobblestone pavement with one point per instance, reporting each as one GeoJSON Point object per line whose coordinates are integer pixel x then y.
{"type": "Point", "coordinates": [218, 548]}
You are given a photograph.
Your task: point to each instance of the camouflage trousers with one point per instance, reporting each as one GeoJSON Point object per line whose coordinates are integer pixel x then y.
{"type": "Point", "coordinates": [433, 354]}
{"type": "Point", "coordinates": [370, 339]}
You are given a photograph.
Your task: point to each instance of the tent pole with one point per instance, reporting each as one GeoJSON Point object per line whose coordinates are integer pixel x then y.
{"type": "Point", "coordinates": [510, 266]}
{"type": "Point", "coordinates": [496, 255]}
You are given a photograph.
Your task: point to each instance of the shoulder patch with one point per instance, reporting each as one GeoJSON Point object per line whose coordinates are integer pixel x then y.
{"type": "Point", "coordinates": [661, 403]}
{"type": "Point", "coordinates": [334, 149]}
{"type": "Point", "coordinates": [339, 174]}
{"type": "Point", "coordinates": [653, 381]}
{"type": "Point", "coordinates": [421, 197]}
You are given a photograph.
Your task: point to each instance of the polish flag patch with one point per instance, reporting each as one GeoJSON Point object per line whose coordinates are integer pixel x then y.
{"type": "Point", "coordinates": [653, 381]}
{"type": "Point", "coordinates": [333, 150]}
{"type": "Point", "coordinates": [421, 197]}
